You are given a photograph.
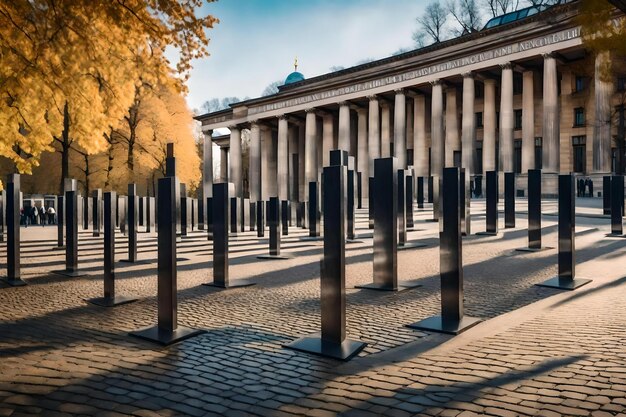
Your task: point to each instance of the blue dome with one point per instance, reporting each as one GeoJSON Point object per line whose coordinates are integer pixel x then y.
{"type": "Point", "coordinates": [294, 77]}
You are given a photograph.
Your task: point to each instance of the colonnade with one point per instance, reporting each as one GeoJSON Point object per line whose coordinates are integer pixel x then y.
{"type": "Point", "coordinates": [282, 165]}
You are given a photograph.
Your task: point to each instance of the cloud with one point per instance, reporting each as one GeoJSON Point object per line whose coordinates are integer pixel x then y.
{"type": "Point", "coordinates": [256, 41]}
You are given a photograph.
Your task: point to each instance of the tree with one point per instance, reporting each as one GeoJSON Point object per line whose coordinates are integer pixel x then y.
{"type": "Point", "coordinates": [500, 7]}
{"type": "Point", "coordinates": [431, 25]}
{"type": "Point", "coordinates": [272, 88]}
{"type": "Point", "coordinates": [466, 14]}
{"type": "Point", "coordinates": [216, 104]}
{"type": "Point", "coordinates": [82, 58]}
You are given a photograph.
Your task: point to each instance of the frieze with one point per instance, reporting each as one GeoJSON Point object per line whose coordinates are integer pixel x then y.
{"type": "Point", "coordinates": [558, 37]}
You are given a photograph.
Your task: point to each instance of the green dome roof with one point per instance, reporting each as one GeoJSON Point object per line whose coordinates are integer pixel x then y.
{"type": "Point", "coordinates": [294, 77]}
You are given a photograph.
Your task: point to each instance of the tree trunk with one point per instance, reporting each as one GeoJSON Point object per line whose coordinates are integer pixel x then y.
{"type": "Point", "coordinates": [620, 141]}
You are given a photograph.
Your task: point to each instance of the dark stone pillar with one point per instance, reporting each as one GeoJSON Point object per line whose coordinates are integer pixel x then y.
{"type": "Point", "coordinates": [617, 204]}
{"type": "Point", "coordinates": [332, 341]}
{"type": "Point", "coordinates": [150, 215]}
{"type": "Point", "coordinates": [492, 204]}
{"type": "Point", "coordinates": [567, 256]}
{"type": "Point", "coordinates": [284, 216]}
{"type": "Point", "coordinates": [221, 221]}
{"type": "Point", "coordinates": [420, 192]}
{"type": "Point", "coordinates": [3, 206]}
{"type": "Point", "coordinates": [274, 220]}
{"type": "Point", "coordinates": [452, 319]}
{"type": "Point", "coordinates": [60, 218]}
{"type": "Point", "coordinates": [534, 211]}
{"type": "Point", "coordinates": [260, 218]}
{"type": "Point", "coordinates": [509, 200]}
{"type": "Point", "coordinates": [132, 223]}
{"type": "Point", "coordinates": [201, 211]}
{"type": "Point", "coordinates": [71, 236]}
{"type": "Point", "coordinates": [86, 212]}
{"type": "Point", "coordinates": [123, 205]}
{"type": "Point", "coordinates": [313, 206]}
{"type": "Point", "coordinates": [141, 211]}
{"type": "Point", "coordinates": [97, 198]}
{"type": "Point", "coordinates": [167, 330]}
{"type": "Point", "coordinates": [431, 185]}
{"type": "Point", "coordinates": [209, 217]}
{"type": "Point", "coordinates": [371, 203]}
{"type": "Point", "coordinates": [110, 299]}
{"type": "Point", "coordinates": [408, 199]}
{"type": "Point", "coordinates": [233, 214]}
{"type": "Point", "coordinates": [350, 235]}
{"type": "Point", "coordinates": [606, 194]}
{"type": "Point", "coordinates": [401, 173]}
{"type": "Point", "coordinates": [359, 190]}
{"type": "Point", "coordinates": [252, 216]}
{"type": "Point", "coordinates": [14, 268]}
{"type": "Point", "coordinates": [184, 220]}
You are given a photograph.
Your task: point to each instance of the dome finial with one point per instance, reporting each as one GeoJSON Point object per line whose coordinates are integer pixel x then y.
{"type": "Point", "coordinates": [295, 64]}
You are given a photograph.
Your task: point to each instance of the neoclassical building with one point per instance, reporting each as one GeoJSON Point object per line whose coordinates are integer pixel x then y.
{"type": "Point", "coordinates": [522, 93]}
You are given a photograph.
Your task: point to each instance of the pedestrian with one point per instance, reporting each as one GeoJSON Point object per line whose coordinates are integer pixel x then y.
{"type": "Point", "coordinates": [472, 189]}
{"type": "Point", "coordinates": [23, 217]}
{"type": "Point", "coordinates": [42, 216]}
{"type": "Point", "coordinates": [578, 187]}
{"type": "Point", "coordinates": [590, 188]}
{"type": "Point", "coordinates": [51, 215]}
{"type": "Point", "coordinates": [585, 187]}
{"type": "Point", "coordinates": [35, 214]}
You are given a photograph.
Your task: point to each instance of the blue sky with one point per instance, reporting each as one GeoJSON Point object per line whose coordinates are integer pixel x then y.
{"type": "Point", "coordinates": [256, 41]}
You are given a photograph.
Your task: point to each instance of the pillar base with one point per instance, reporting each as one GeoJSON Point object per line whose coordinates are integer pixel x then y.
{"type": "Point", "coordinates": [166, 337]}
{"type": "Point", "coordinates": [486, 234]}
{"type": "Point", "coordinates": [564, 284]}
{"type": "Point", "coordinates": [275, 257]}
{"type": "Point", "coordinates": [410, 245]}
{"type": "Point", "coordinates": [314, 344]}
{"type": "Point", "coordinates": [68, 273]}
{"type": "Point", "coordinates": [237, 284]}
{"type": "Point", "coordinates": [382, 287]}
{"type": "Point", "coordinates": [15, 282]}
{"type": "Point", "coordinates": [110, 302]}
{"type": "Point", "coordinates": [58, 247]}
{"type": "Point", "coordinates": [618, 235]}
{"type": "Point", "coordinates": [311, 238]}
{"type": "Point", "coordinates": [353, 241]}
{"type": "Point", "coordinates": [544, 248]}
{"type": "Point", "coordinates": [438, 325]}
{"type": "Point", "coordinates": [136, 261]}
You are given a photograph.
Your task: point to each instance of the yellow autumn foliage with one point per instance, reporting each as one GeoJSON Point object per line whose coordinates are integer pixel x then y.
{"type": "Point", "coordinates": [90, 55]}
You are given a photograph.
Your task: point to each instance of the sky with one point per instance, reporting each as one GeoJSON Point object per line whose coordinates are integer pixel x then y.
{"type": "Point", "coordinates": [256, 41]}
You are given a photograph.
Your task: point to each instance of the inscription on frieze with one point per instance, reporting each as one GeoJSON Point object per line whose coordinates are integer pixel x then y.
{"type": "Point", "coordinates": [554, 38]}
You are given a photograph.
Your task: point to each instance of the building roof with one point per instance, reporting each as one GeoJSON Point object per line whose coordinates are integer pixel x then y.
{"type": "Point", "coordinates": [294, 77]}
{"type": "Point", "coordinates": [515, 16]}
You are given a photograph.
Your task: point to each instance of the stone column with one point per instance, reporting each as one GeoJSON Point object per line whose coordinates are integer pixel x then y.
{"type": "Point", "coordinates": [327, 139]}
{"type": "Point", "coordinates": [283, 158]}
{"type": "Point", "coordinates": [436, 130]}
{"type": "Point", "coordinates": [399, 128]}
{"type": "Point", "coordinates": [551, 132]}
{"type": "Point", "coordinates": [255, 162]}
{"type": "Point", "coordinates": [363, 159]}
{"type": "Point", "coordinates": [602, 125]}
{"type": "Point", "coordinates": [489, 127]}
{"type": "Point", "coordinates": [373, 133]}
{"type": "Point", "coordinates": [528, 122]}
{"type": "Point", "coordinates": [272, 164]}
{"type": "Point", "coordinates": [310, 161]}
{"type": "Point", "coordinates": [266, 139]}
{"type": "Point", "coordinates": [235, 163]}
{"type": "Point", "coordinates": [468, 128]}
{"type": "Point", "coordinates": [385, 130]}
{"type": "Point", "coordinates": [506, 118]}
{"type": "Point", "coordinates": [420, 147]}
{"type": "Point", "coordinates": [301, 157]}
{"type": "Point", "coordinates": [344, 127]}
{"type": "Point", "coordinates": [223, 164]}
{"type": "Point", "coordinates": [452, 127]}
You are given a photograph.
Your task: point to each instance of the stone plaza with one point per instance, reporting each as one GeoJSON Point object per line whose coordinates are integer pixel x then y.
{"type": "Point", "coordinates": [539, 351]}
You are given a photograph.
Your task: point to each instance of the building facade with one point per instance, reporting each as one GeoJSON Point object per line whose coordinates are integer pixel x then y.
{"type": "Point", "coordinates": [523, 93]}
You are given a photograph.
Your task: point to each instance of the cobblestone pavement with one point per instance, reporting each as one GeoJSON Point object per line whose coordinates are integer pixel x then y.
{"type": "Point", "coordinates": [538, 352]}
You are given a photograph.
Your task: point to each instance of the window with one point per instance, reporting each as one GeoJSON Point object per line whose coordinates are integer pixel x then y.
{"type": "Point", "coordinates": [538, 153]}
{"type": "Point", "coordinates": [579, 117]}
{"type": "Point", "coordinates": [517, 156]}
{"type": "Point", "coordinates": [456, 156]}
{"type": "Point", "coordinates": [579, 145]}
{"type": "Point", "coordinates": [518, 118]}
{"type": "Point", "coordinates": [621, 83]}
{"type": "Point", "coordinates": [579, 84]}
{"type": "Point", "coordinates": [479, 120]}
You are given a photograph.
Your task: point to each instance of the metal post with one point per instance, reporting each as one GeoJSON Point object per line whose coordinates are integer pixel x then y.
{"type": "Point", "coordinates": [350, 235]}
{"type": "Point", "coordinates": [284, 216]}
{"type": "Point", "coordinates": [167, 330]}
{"type": "Point", "coordinates": [233, 214]}
{"type": "Point", "coordinates": [260, 218]}
{"type": "Point", "coordinates": [274, 221]}
{"type": "Point", "coordinates": [359, 190]}
{"type": "Point", "coordinates": [60, 222]}
{"type": "Point", "coordinates": [97, 197]}
{"type": "Point", "coordinates": [408, 199]}
{"type": "Point", "coordinates": [332, 341]}
{"type": "Point", "coordinates": [452, 319]}
{"type": "Point", "coordinates": [252, 216]}
{"type": "Point", "coordinates": [209, 217]}
{"type": "Point", "coordinates": [431, 185]}
{"type": "Point", "coordinates": [14, 269]}
{"type": "Point", "coordinates": [71, 236]}
{"type": "Point", "coordinates": [509, 200]}
{"type": "Point", "coordinates": [150, 214]}
{"type": "Point", "coordinates": [567, 256]}
{"type": "Point", "coordinates": [184, 201]}
{"type": "Point", "coordinates": [401, 173]}
{"type": "Point", "coordinates": [371, 203]}
{"type": "Point", "coordinates": [85, 208]}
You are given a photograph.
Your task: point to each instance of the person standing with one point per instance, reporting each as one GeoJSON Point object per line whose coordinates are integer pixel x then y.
{"type": "Point", "coordinates": [51, 215]}
{"type": "Point", "coordinates": [590, 188]}
{"type": "Point", "coordinates": [34, 214]}
{"type": "Point", "coordinates": [42, 216]}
